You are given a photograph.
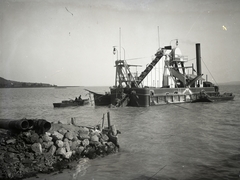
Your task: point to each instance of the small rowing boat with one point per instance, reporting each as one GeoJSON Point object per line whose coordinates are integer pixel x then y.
{"type": "Point", "coordinates": [67, 103]}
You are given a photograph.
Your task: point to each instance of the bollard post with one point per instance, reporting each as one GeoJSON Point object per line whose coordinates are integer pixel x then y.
{"type": "Point", "coordinates": [103, 121]}
{"type": "Point", "coordinates": [109, 121]}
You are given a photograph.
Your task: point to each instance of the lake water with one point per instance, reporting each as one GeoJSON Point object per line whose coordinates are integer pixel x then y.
{"type": "Point", "coordinates": [182, 141]}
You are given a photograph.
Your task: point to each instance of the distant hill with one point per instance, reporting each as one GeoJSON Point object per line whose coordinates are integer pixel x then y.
{"type": "Point", "coordinates": [4, 83]}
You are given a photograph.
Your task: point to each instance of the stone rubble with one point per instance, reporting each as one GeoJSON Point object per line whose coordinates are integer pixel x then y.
{"type": "Point", "coordinates": [26, 153]}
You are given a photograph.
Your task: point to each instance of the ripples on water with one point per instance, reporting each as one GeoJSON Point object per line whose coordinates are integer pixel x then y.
{"type": "Point", "coordinates": [182, 141]}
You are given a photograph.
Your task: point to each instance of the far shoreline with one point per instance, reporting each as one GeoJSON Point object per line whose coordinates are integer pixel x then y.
{"type": "Point", "coordinates": [40, 87]}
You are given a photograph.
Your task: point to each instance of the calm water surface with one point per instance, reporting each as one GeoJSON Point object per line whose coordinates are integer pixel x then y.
{"type": "Point", "coordinates": [183, 141]}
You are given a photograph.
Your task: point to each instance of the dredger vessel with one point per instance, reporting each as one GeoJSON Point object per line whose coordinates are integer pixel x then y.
{"type": "Point", "coordinates": [178, 85]}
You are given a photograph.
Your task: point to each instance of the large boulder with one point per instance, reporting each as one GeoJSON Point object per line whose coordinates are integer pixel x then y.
{"type": "Point", "coordinates": [61, 151]}
{"type": "Point", "coordinates": [52, 150]}
{"type": "Point", "coordinates": [67, 146]}
{"type": "Point", "coordinates": [37, 148]}
{"type": "Point", "coordinates": [68, 154]}
{"type": "Point", "coordinates": [84, 136]}
{"type": "Point", "coordinates": [85, 142]}
{"type": "Point", "coordinates": [59, 143]}
{"type": "Point", "coordinates": [94, 138]}
{"type": "Point", "coordinates": [83, 130]}
{"type": "Point", "coordinates": [79, 150]}
{"type": "Point", "coordinates": [75, 144]}
{"type": "Point", "coordinates": [47, 145]}
{"type": "Point", "coordinates": [62, 131]}
{"type": "Point", "coordinates": [69, 135]}
{"type": "Point", "coordinates": [57, 136]}
{"type": "Point", "coordinates": [46, 137]}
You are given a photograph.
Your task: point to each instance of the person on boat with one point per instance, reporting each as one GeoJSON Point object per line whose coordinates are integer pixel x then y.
{"type": "Point", "coordinates": [80, 98]}
{"type": "Point", "coordinates": [76, 99]}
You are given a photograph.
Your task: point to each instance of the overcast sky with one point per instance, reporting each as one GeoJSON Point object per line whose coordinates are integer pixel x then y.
{"type": "Point", "coordinates": [70, 42]}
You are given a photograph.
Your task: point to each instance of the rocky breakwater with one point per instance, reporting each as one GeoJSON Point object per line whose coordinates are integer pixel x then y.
{"type": "Point", "coordinates": [24, 153]}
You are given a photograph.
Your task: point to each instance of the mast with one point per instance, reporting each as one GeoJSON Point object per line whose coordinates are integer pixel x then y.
{"type": "Point", "coordinates": [120, 42]}
{"type": "Point", "coordinates": [158, 38]}
{"type": "Point", "coordinates": [159, 62]}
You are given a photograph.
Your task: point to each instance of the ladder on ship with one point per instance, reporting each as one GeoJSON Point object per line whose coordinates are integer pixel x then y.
{"type": "Point", "coordinates": [148, 69]}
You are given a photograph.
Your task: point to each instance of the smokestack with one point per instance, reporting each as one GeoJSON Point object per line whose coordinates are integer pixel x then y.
{"type": "Point", "coordinates": [198, 59]}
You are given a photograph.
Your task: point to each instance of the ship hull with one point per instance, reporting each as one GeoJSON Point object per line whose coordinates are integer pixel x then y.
{"type": "Point", "coordinates": [102, 99]}
{"type": "Point", "coordinates": [144, 97]}
{"type": "Point", "coordinates": [137, 97]}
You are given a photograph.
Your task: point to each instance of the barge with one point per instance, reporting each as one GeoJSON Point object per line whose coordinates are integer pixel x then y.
{"type": "Point", "coordinates": [178, 86]}
{"type": "Point", "coordinates": [203, 97]}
